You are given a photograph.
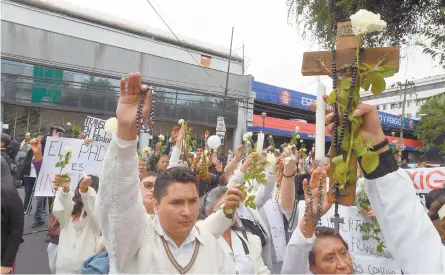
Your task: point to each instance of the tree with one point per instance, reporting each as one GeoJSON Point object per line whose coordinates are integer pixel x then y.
{"type": "Point", "coordinates": [431, 127]}
{"type": "Point", "coordinates": [436, 44]}
{"type": "Point", "coordinates": [406, 19]}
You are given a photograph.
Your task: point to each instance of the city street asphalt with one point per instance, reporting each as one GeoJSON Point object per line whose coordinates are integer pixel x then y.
{"type": "Point", "coordinates": [32, 257]}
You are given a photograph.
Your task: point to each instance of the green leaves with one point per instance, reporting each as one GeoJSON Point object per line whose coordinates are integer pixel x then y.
{"type": "Point", "coordinates": [377, 81]}
{"type": "Point", "coordinates": [345, 84]}
{"type": "Point", "coordinates": [332, 97]}
{"type": "Point", "coordinates": [337, 160]}
{"type": "Point", "coordinates": [370, 161]}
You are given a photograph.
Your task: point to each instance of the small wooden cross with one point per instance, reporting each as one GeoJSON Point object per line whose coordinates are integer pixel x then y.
{"type": "Point", "coordinates": [320, 63]}
{"type": "Point", "coordinates": [337, 221]}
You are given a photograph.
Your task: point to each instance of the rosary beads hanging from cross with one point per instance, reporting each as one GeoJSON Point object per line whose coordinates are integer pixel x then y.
{"type": "Point", "coordinates": [344, 57]}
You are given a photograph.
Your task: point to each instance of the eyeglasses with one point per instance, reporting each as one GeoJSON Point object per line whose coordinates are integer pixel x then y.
{"type": "Point", "coordinates": [148, 185]}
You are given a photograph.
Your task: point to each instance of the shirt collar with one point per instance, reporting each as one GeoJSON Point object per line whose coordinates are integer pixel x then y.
{"type": "Point", "coordinates": [194, 234]}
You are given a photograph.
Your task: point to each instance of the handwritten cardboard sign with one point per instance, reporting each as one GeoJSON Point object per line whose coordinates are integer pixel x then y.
{"type": "Point", "coordinates": [95, 128]}
{"type": "Point", "coordinates": [275, 218]}
{"type": "Point", "coordinates": [86, 159]}
{"type": "Point", "coordinates": [363, 253]}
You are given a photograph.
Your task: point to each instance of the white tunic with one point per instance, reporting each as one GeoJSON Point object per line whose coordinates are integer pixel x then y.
{"type": "Point", "coordinates": [77, 238]}
{"type": "Point", "coordinates": [132, 242]}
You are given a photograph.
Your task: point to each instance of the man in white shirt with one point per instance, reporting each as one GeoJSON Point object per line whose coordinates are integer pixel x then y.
{"type": "Point", "coordinates": [168, 242]}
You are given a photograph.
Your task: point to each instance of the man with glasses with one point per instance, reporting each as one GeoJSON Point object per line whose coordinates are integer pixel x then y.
{"type": "Point", "coordinates": [147, 185]}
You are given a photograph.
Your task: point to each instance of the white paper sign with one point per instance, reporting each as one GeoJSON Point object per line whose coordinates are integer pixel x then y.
{"type": "Point", "coordinates": [86, 158]}
{"type": "Point", "coordinates": [364, 253]}
{"type": "Point", "coordinates": [95, 128]}
{"type": "Point", "coordinates": [275, 218]}
{"type": "Point", "coordinates": [220, 124]}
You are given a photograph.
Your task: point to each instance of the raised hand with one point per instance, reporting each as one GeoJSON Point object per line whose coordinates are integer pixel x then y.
{"type": "Point", "coordinates": [371, 129]}
{"type": "Point", "coordinates": [232, 199]}
{"type": "Point", "coordinates": [290, 163]}
{"type": "Point", "coordinates": [126, 112]}
{"type": "Point", "coordinates": [318, 178]}
{"type": "Point", "coordinates": [61, 180]}
{"type": "Point", "coordinates": [84, 184]}
{"type": "Point", "coordinates": [180, 136]}
{"type": "Point", "coordinates": [36, 147]}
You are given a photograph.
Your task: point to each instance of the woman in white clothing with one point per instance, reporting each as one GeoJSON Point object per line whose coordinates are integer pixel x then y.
{"type": "Point", "coordinates": [242, 248]}
{"type": "Point", "coordinates": [79, 227]}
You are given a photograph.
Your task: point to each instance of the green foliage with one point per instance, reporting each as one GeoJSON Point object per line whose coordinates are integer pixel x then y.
{"type": "Point", "coordinates": [271, 141]}
{"type": "Point", "coordinates": [317, 20]}
{"type": "Point", "coordinates": [431, 127]}
{"type": "Point", "coordinates": [255, 173]}
{"type": "Point", "coordinates": [189, 142]}
{"type": "Point", "coordinates": [369, 230]}
{"type": "Point", "coordinates": [63, 160]}
{"type": "Point", "coordinates": [368, 77]}
{"type": "Point", "coordinates": [76, 129]}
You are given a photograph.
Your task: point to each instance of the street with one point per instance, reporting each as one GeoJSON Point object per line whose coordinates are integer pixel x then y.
{"type": "Point", "coordinates": [32, 257]}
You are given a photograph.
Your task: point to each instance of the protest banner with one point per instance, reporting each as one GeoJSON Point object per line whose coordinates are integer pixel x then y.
{"type": "Point", "coordinates": [366, 258]}
{"type": "Point", "coordinates": [426, 180]}
{"type": "Point", "coordinates": [95, 128]}
{"type": "Point", "coordinates": [275, 219]}
{"type": "Point", "coordinates": [86, 159]}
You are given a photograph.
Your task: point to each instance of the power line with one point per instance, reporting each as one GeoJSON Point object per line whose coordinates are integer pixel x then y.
{"type": "Point", "coordinates": [185, 48]}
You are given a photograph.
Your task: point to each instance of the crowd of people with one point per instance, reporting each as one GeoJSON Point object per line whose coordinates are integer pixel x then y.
{"type": "Point", "coordinates": [174, 212]}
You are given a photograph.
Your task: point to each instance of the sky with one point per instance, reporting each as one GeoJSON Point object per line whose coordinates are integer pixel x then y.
{"type": "Point", "coordinates": [274, 47]}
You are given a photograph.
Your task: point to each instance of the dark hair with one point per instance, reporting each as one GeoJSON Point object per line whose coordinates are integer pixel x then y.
{"type": "Point", "coordinates": [321, 232]}
{"type": "Point", "coordinates": [170, 176]}
{"type": "Point", "coordinates": [432, 196]}
{"type": "Point", "coordinates": [78, 203]}
{"type": "Point", "coordinates": [433, 213]}
{"type": "Point", "coordinates": [146, 175]}
{"type": "Point", "coordinates": [224, 179]}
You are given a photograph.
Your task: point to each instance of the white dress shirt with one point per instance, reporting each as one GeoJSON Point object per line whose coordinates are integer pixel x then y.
{"type": "Point", "coordinates": [236, 256]}
{"type": "Point", "coordinates": [183, 254]}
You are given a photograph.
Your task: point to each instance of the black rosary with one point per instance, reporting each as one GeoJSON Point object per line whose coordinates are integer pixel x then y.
{"type": "Point", "coordinates": [139, 118]}
{"type": "Point", "coordinates": [337, 136]}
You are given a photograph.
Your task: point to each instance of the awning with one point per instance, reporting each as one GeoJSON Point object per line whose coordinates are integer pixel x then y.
{"type": "Point", "coordinates": [283, 127]}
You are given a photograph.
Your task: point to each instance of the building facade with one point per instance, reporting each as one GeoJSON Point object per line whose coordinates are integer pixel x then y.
{"type": "Point", "coordinates": [61, 63]}
{"type": "Point", "coordinates": [391, 100]}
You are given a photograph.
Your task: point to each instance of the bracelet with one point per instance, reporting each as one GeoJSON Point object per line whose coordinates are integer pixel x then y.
{"type": "Point", "coordinates": [380, 145]}
{"type": "Point", "coordinates": [289, 176]}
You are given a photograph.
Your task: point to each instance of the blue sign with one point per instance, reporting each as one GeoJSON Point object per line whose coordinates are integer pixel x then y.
{"type": "Point", "coordinates": [278, 95]}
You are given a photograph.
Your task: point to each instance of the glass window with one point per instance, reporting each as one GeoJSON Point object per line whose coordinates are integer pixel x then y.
{"type": "Point", "coordinates": [27, 83]}
{"type": "Point", "coordinates": [377, 107]}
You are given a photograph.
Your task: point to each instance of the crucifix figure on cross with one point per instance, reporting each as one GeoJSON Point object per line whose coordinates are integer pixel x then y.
{"type": "Point", "coordinates": [351, 67]}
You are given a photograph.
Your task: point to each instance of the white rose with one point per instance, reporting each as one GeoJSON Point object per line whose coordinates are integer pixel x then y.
{"type": "Point", "coordinates": [146, 149]}
{"type": "Point", "coordinates": [298, 136]}
{"type": "Point", "coordinates": [206, 152]}
{"type": "Point", "coordinates": [247, 136]}
{"type": "Point", "coordinates": [301, 141]}
{"type": "Point", "coordinates": [161, 138]}
{"type": "Point", "coordinates": [181, 121]}
{"type": "Point", "coordinates": [297, 129]}
{"type": "Point", "coordinates": [304, 150]}
{"type": "Point", "coordinates": [68, 149]}
{"type": "Point", "coordinates": [111, 126]}
{"type": "Point", "coordinates": [294, 146]}
{"type": "Point", "coordinates": [365, 21]}
{"type": "Point", "coordinates": [270, 136]}
{"type": "Point", "coordinates": [68, 124]}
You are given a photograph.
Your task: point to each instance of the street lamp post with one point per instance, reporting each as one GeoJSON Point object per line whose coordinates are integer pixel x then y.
{"type": "Point", "coordinates": [263, 115]}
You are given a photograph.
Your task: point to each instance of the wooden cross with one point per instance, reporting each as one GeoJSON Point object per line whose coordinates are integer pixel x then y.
{"type": "Point", "coordinates": [320, 63]}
